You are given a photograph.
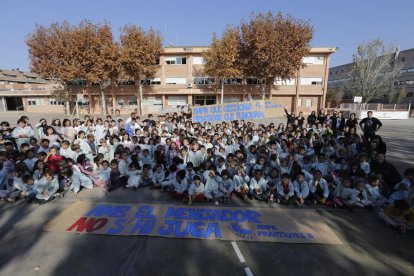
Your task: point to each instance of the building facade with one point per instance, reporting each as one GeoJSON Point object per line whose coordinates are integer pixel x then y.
{"type": "Point", "coordinates": [339, 74]}
{"type": "Point", "coordinates": [180, 81]}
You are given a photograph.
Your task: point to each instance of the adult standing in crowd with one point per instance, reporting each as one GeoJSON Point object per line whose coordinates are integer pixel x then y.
{"type": "Point", "coordinates": [312, 118]}
{"type": "Point", "coordinates": [352, 121]}
{"type": "Point", "coordinates": [370, 125]}
{"type": "Point", "coordinates": [322, 116]}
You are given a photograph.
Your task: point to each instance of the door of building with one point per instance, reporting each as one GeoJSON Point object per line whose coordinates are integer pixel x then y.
{"type": "Point", "coordinates": [14, 103]}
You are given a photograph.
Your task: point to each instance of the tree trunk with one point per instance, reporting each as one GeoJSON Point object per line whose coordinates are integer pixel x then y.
{"type": "Point", "coordinates": [222, 90]}
{"type": "Point", "coordinates": [103, 99]}
{"type": "Point", "coordinates": [140, 98]}
{"type": "Point", "coordinates": [263, 91]}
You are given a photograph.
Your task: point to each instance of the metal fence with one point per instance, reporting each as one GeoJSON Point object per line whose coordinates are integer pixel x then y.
{"type": "Point", "coordinates": [375, 107]}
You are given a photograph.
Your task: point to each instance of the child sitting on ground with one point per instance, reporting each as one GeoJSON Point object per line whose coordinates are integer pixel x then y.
{"type": "Point", "coordinates": [134, 175]}
{"type": "Point", "coordinates": [157, 177]}
{"type": "Point", "coordinates": [318, 188]}
{"type": "Point", "coordinates": [241, 183]}
{"type": "Point", "coordinates": [301, 187]}
{"type": "Point", "coordinates": [285, 190]}
{"type": "Point", "coordinates": [226, 186]}
{"type": "Point", "coordinates": [146, 176]}
{"type": "Point", "coordinates": [180, 186]}
{"type": "Point", "coordinates": [360, 195]}
{"type": "Point", "coordinates": [46, 188]}
{"type": "Point", "coordinates": [196, 190]}
{"type": "Point", "coordinates": [403, 188]}
{"type": "Point", "coordinates": [272, 181]}
{"type": "Point", "coordinates": [258, 186]}
{"type": "Point", "coordinates": [374, 193]}
{"type": "Point", "coordinates": [211, 191]}
{"type": "Point", "coordinates": [396, 215]}
{"type": "Point", "coordinates": [104, 173]}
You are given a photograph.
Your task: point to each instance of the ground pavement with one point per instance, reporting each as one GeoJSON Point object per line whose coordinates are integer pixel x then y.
{"type": "Point", "coordinates": [369, 248]}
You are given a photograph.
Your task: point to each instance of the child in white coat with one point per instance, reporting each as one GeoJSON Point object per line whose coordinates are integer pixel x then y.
{"type": "Point", "coordinates": [196, 190]}
{"type": "Point", "coordinates": [226, 186]}
{"type": "Point", "coordinates": [212, 191]}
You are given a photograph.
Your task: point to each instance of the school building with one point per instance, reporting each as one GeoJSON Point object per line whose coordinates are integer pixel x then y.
{"type": "Point", "coordinates": [340, 74]}
{"type": "Point", "coordinates": [180, 81]}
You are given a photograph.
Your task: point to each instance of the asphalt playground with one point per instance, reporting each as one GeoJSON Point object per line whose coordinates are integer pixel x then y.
{"type": "Point", "coordinates": [369, 247]}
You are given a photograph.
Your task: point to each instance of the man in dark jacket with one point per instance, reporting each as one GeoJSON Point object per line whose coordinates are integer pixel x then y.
{"type": "Point", "coordinates": [370, 125]}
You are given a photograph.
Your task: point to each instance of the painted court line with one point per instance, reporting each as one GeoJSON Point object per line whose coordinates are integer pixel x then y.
{"type": "Point", "coordinates": [248, 271]}
{"type": "Point", "coordinates": [238, 252]}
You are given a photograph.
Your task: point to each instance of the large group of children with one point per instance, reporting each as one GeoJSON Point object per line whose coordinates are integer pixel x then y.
{"type": "Point", "coordinates": [320, 159]}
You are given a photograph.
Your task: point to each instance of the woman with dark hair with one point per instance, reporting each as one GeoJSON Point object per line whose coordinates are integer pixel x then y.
{"type": "Point", "coordinates": [352, 122]}
{"type": "Point", "coordinates": [322, 116]}
{"type": "Point", "coordinates": [57, 126]}
{"type": "Point", "coordinates": [312, 118]}
{"type": "Point", "coordinates": [300, 119]}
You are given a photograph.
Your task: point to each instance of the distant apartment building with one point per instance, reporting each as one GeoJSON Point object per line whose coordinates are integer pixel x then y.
{"type": "Point", "coordinates": [339, 74]}
{"type": "Point", "coordinates": [179, 81]}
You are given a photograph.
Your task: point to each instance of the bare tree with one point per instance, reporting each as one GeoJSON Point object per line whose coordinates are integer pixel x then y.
{"type": "Point", "coordinates": [374, 71]}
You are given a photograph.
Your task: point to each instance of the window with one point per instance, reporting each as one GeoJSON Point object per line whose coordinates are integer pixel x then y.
{"type": "Point", "coordinates": [35, 101]}
{"type": "Point", "coordinates": [177, 100]}
{"type": "Point", "coordinates": [198, 60]}
{"type": "Point", "coordinates": [409, 94]}
{"type": "Point", "coordinates": [299, 102]}
{"type": "Point", "coordinates": [254, 81]}
{"type": "Point", "coordinates": [175, 80]}
{"type": "Point", "coordinates": [77, 83]}
{"type": "Point", "coordinates": [175, 60]}
{"type": "Point", "coordinates": [203, 81]}
{"type": "Point", "coordinates": [152, 100]}
{"type": "Point", "coordinates": [311, 81]}
{"type": "Point", "coordinates": [314, 60]}
{"type": "Point", "coordinates": [232, 100]}
{"type": "Point", "coordinates": [132, 101]}
{"type": "Point", "coordinates": [402, 59]}
{"type": "Point", "coordinates": [308, 103]}
{"type": "Point", "coordinates": [154, 81]}
{"type": "Point", "coordinates": [232, 81]}
{"type": "Point", "coordinates": [285, 82]}
{"type": "Point", "coordinates": [410, 69]}
{"type": "Point", "coordinates": [126, 83]}
{"type": "Point", "coordinates": [204, 100]}
{"type": "Point", "coordinates": [56, 102]}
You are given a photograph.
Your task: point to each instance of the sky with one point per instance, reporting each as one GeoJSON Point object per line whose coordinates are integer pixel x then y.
{"type": "Point", "coordinates": [342, 24]}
